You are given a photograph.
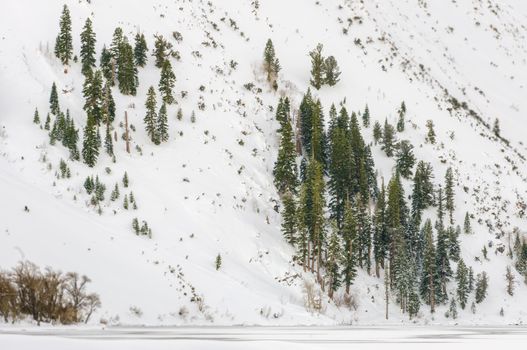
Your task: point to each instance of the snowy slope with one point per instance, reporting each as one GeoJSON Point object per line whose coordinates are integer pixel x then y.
{"type": "Point", "coordinates": [205, 192]}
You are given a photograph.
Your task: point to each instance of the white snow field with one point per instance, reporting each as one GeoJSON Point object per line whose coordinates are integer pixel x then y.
{"type": "Point", "coordinates": [209, 190]}
{"type": "Point", "coordinates": [194, 338]}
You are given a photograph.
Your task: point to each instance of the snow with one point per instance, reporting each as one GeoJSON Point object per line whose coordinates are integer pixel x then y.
{"type": "Point", "coordinates": [227, 205]}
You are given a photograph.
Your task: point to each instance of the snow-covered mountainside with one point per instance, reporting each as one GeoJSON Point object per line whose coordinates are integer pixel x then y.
{"type": "Point", "coordinates": [209, 190]}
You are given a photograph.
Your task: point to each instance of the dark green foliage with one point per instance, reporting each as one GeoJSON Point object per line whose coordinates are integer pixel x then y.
{"type": "Point", "coordinates": [108, 66]}
{"type": "Point", "coordinates": [93, 95]}
{"type": "Point", "coordinates": [126, 69]}
{"type": "Point", "coordinates": [454, 250]}
{"type": "Point", "coordinates": [162, 50]}
{"type": "Point", "coordinates": [405, 158]}
{"type": "Point", "coordinates": [317, 67]}
{"type": "Point", "coordinates": [429, 281]}
{"type": "Point", "coordinates": [90, 147]}
{"type": "Point", "coordinates": [88, 48]}
{"type": "Point", "coordinates": [423, 189]}
{"type": "Point", "coordinates": [350, 252]}
{"type": "Point", "coordinates": [100, 188]}
{"type": "Point", "coordinates": [400, 121]}
{"type": "Point", "coordinates": [89, 185]}
{"type": "Point", "coordinates": [36, 118]}
{"type": "Point", "coordinates": [462, 279]}
{"type": "Point", "coordinates": [289, 218]}
{"type": "Point", "coordinates": [54, 101]}
{"type": "Point", "coordinates": [167, 82]}
{"type": "Point", "coordinates": [466, 225]}
{"type": "Point", "coordinates": [140, 50]}
{"type": "Point", "coordinates": [366, 118]}
{"type": "Point", "coordinates": [115, 193]}
{"type": "Point", "coordinates": [431, 135]}
{"type": "Point", "coordinates": [271, 63]}
{"type": "Point", "coordinates": [47, 125]}
{"type": "Point", "coordinates": [364, 228]}
{"type": "Point", "coordinates": [151, 115]}
{"type": "Point", "coordinates": [482, 283]}
{"type": "Point", "coordinates": [117, 40]}
{"type": "Point", "coordinates": [64, 44]}
{"type": "Point", "coordinates": [162, 124]}
{"type": "Point", "coordinates": [377, 132]}
{"type": "Point", "coordinates": [306, 121]}
{"type": "Point", "coordinates": [283, 111]}
{"type": "Point", "coordinates": [388, 139]}
{"type": "Point", "coordinates": [334, 256]}
{"type": "Point", "coordinates": [331, 71]}
{"type": "Point", "coordinates": [449, 194]}
{"type": "Point", "coordinates": [108, 142]}
{"type": "Point", "coordinates": [71, 137]}
{"type": "Point", "coordinates": [217, 262]}
{"type": "Point", "coordinates": [125, 180]}
{"type": "Point", "coordinates": [285, 170]}
{"type": "Point", "coordinates": [381, 238]}
{"type": "Point", "coordinates": [444, 270]}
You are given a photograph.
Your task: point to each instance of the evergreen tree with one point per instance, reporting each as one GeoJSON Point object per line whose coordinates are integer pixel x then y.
{"type": "Point", "coordinates": [317, 67]}
{"type": "Point", "coordinates": [36, 118]}
{"type": "Point", "coordinates": [108, 65]}
{"type": "Point", "coordinates": [140, 50]}
{"type": "Point", "coordinates": [429, 275]}
{"type": "Point", "coordinates": [400, 121]}
{"type": "Point", "coordinates": [117, 40]}
{"type": "Point", "coordinates": [453, 243]}
{"type": "Point", "coordinates": [93, 95]}
{"type": "Point", "coordinates": [462, 279]}
{"type": "Point", "coordinates": [431, 135]}
{"type": "Point", "coordinates": [449, 194]}
{"type": "Point", "coordinates": [90, 149]}
{"type": "Point", "coordinates": [89, 185]}
{"type": "Point", "coordinates": [381, 236]}
{"type": "Point", "coordinates": [126, 69]}
{"type": "Point", "coordinates": [108, 142]}
{"type": "Point", "coordinates": [271, 63]}
{"type": "Point", "coordinates": [167, 82]}
{"type": "Point", "coordinates": [466, 226]}
{"type": "Point", "coordinates": [366, 117]}
{"type": "Point", "coordinates": [509, 277]}
{"type": "Point", "coordinates": [388, 139]}
{"type": "Point", "coordinates": [442, 261]}
{"type": "Point", "coordinates": [496, 127]}
{"type": "Point", "coordinates": [283, 111]}
{"type": "Point", "coordinates": [285, 170]}
{"type": "Point", "coordinates": [363, 221]}
{"type": "Point", "coordinates": [318, 136]}
{"type": "Point", "coordinates": [423, 189]}
{"type": "Point", "coordinates": [108, 104]}
{"type": "Point", "coordinates": [306, 121]}
{"type": "Point", "coordinates": [331, 71]}
{"type": "Point", "coordinates": [115, 193]}
{"type": "Point", "coordinates": [482, 283]}
{"type": "Point", "coordinates": [54, 100]}
{"type": "Point", "coordinates": [452, 310]}
{"type": "Point", "coordinates": [125, 180]}
{"type": "Point", "coordinates": [162, 124]}
{"type": "Point", "coordinates": [47, 123]}
{"type": "Point", "coordinates": [289, 217]}
{"type": "Point", "coordinates": [350, 256]}
{"type": "Point", "coordinates": [405, 159]}
{"type": "Point", "coordinates": [151, 116]}
{"type": "Point", "coordinates": [88, 47]}
{"type": "Point", "coordinates": [377, 132]}
{"type": "Point", "coordinates": [71, 137]}
{"type": "Point", "coordinates": [64, 43]}
{"type": "Point", "coordinates": [162, 49]}
{"type": "Point", "coordinates": [371, 173]}
{"type": "Point", "coordinates": [334, 256]}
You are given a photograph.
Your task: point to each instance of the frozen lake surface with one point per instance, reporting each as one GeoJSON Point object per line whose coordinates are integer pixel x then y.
{"type": "Point", "coordinates": [290, 338]}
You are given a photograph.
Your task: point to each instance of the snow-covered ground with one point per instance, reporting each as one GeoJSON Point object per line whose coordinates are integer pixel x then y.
{"type": "Point", "coordinates": [206, 193]}
{"type": "Point", "coordinates": [194, 338]}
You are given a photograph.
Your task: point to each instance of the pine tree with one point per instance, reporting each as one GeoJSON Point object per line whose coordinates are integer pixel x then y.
{"type": "Point", "coordinates": [217, 263]}
{"type": "Point", "coordinates": [482, 283]}
{"type": "Point", "coordinates": [449, 194]}
{"type": "Point", "coordinates": [125, 180]}
{"type": "Point", "coordinates": [71, 137]}
{"type": "Point", "coordinates": [509, 277]}
{"type": "Point", "coordinates": [317, 67]}
{"type": "Point", "coordinates": [306, 121]}
{"type": "Point", "coordinates": [331, 71]}
{"type": "Point", "coordinates": [162, 124]}
{"type": "Point", "coordinates": [334, 256]}
{"type": "Point", "coordinates": [453, 243]}
{"type": "Point", "coordinates": [108, 142]}
{"type": "Point", "coordinates": [423, 189]}
{"type": "Point", "coordinates": [363, 221]}
{"type": "Point", "coordinates": [405, 158]}
{"type": "Point", "coordinates": [400, 121]}
{"type": "Point", "coordinates": [64, 44]}
{"type": "Point", "coordinates": [108, 65]}
{"type": "Point", "coordinates": [271, 63]}
{"type": "Point", "coordinates": [90, 149]}
{"type": "Point", "coordinates": [466, 226]}
{"type": "Point", "coordinates": [88, 47]}
{"type": "Point", "coordinates": [380, 237]}
{"type": "Point", "coordinates": [452, 310]}
{"type": "Point", "coordinates": [54, 100]}
{"type": "Point", "coordinates": [167, 82]}
{"type": "Point", "coordinates": [117, 40]}
{"type": "Point", "coordinates": [140, 50]}
{"type": "Point", "coordinates": [289, 218]}
{"type": "Point", "coordinates": [442, 259]}
{"type": "Point", "coordinates": [151, 115]}
{"type": "Point", "coordinates": [125, 202]}
{"type": "Point", "coordinates": [126, 69]}
{"type": "Point", "coordinates": [162, 50]}
{"type": "Point", "coordinates": [431, 135]}
{"type": "Point", "coordinates": [388, 139]}
{"type": "Point", "coordinates": [496, 127]}
{"type": "Point", "coordinates": [89, 185]}
{"type": "Point", "coordinates": [366, 117]}
{"type": "Point", "coordinates": [108, 104]}
{"type": "Point", "coordinates": [93, 95]}
{"type": "Point", "coordinates": [36, 118]}
{"type": "Point", "coordinates": [377, 132]}
{"type": "Point", "coordinates": [47, 123]}
{"type": "Point", "coordinates": [429, 275]}
{"type": "Point", "coordinates": [115, 193]}
{"type": "Point", "coordinates": [462, 279]}
{"type": "Point", "coordinates": [350, 252]}
{"type": "Point", "coordinates": [285, 171]}
{"type": "Point", "coordinates": [318, 136]}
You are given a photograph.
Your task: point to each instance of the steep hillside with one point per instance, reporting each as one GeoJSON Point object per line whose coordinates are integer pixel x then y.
{"type": "Point", "coordinates": [209, 190]}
